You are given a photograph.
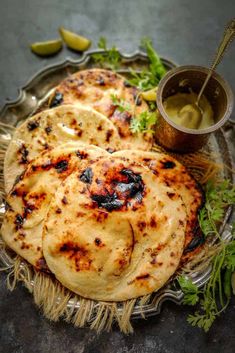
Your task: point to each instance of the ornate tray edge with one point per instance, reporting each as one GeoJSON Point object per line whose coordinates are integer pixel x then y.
{"type": "Point", "coordinates": [165, 294]}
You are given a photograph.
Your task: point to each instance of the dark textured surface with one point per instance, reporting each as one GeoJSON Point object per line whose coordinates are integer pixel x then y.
{"type": "Point", "coordinates": [186, 32]}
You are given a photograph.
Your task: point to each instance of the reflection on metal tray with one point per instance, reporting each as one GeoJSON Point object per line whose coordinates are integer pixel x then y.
{"type": "Point", "coordinates": [36, 91]}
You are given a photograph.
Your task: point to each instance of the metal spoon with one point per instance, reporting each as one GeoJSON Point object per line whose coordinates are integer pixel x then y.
{"type": "Point", "coordinates": [227, 39]}
{"type": "Point", "coordinates": [195, 109]}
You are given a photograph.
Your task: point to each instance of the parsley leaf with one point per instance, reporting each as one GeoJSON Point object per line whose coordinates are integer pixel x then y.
{"type": "Point", "coordinates": [216, 293]}
{"type": "Point", "coordinates": [143, 122]}
{"type": "Point", "coordinates": [120, 103]}
{"type": "Point", "coordinates": [218, 197]}
{"type": "Point", "coordinates": [190, 290]}
{"type": "Point", "coordinates": [148, 79]}
{"type": "Point", "coordinates": [229, 261]}
{"type": "Point", "coordinates": [199, 320]}
{"type": "Point", "coordinates": [156, 67]}
{"type": "Point", "coordinates": [111, 58]}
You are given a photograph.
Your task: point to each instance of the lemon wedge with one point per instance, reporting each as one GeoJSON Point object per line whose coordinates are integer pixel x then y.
{"type": "Point", "coordinates": [74, 41]}
{"type": "Point", "coordinates": [150, 95]}
{"type": "Point", "coordinates": [47, 48]}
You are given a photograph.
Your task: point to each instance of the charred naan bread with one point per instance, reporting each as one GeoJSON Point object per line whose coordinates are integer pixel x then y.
{"type": "Point", "coordinates": [120, 233]}
{"type": "Point", "coordinates": [54, 127]}
{"type": "Point", "coordinates": [170, 172]}
{"type": "Point", "coordinates": [95, 88]}
{"type": "Point", "coordinates": [28, 202]}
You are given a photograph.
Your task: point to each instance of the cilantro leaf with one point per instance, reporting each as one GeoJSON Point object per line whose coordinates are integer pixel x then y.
{"type": "Point", "coordinates": [102, 43]}
{"type": "Point", "coordinates": [156, 66]}
{"type": "Point", "coordinates": [190, 290]}
{"type": "Point", "coordinates": [111, 58]}
{"type": "Point", "coordinates": [143, 122]}
{"type": "Point", "coordinates": [148, 78]}
{"type": "Point", "coordinates": [229, 261]}
{"type": "Point", "coordinates": [216, 293]}
{"type": "Point", "coordinates": [201, 321]}
{"type": "Point", "coordinates": [120, 103]}
{"type": "Point", "coordinates": [218, 197]}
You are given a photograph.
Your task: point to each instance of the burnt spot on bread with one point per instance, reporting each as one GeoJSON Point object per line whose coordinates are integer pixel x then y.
{"type": "Point", "coordinates": [19, 178]}
{"type": "Point", "coordinates": [168, 164]}
{"type": "Point", "coordinates": [108, 201]}
{"type": "Point", "coordinates": [58, 210]}
{"type": "Point", "coordinates": [153, 257]}
{"type": "Point", "coordinates": [80, 214]}
{"type": "Point", "coordinates": [56, 100]}
{"type": "Point", "coordinates": [82, 154]}
{"type": "Point", "coordinates": [72, 248]}
{"type": "Point", "coordinates": [64, 200]}
{"type": "Point", "coordinates": [109, 134]}
{"type": "Point", "coordinates": [141, 225]}
{"type": "Point", "coordinates": [144, 276]}
{"type": "Point", "coordinates": [77, 253]}
{"type": "Point", "coordinates": [28, 209]}
{"type": "Point", "coordinates": [98, 242]}
{"type": "Point", "coordinates": [101, 81]}
{"type": "Point", "coordinates": [134, 181]}
{"type": "Point", "coordinates": [110, 150]}
{"type": "Point", "coordinates": [153, 222]}
{"type": "Point", "coordinates": [32, 203]}
{"type": "Point", "coordinates": [46, 146]}
{"type": "Point", "coordinates": [19, 220]}
{"type": "Point", "coordinates": [119, 189]}
{"type": "Point", "coordinates": [48, 130]}
{"type": "Point", "coordinates": [21, 235]}
{"type": "Point", "coordinates": [42, 265]}
{"type": "Point", "coordinates": [23, 152]}
{"type": "Point", "coordinates": [171, 195]}
{"type": "Point", "coordinates": [100, 127]}
{"type": "Point", "coordinates": [86, 176]}
{"type": "Point", "coordinates": [25, 246]}
{"type": "Point", "coordinates": [32, 125]}
{"type": "Point", "coordinates": [79, 133]}
{"type": "Point", "coordinates": [61, 166]}
{"type": "Point", "coordinates": [101, 216]}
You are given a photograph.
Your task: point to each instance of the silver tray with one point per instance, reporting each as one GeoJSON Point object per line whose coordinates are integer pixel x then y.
{"type": "Point", "coordinates": [34, 94]}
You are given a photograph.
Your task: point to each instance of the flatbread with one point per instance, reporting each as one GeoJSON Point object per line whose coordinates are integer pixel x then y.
{"type": "Point", "coordinates": [53, 127]}
{"type": "Point", "coordinates": [94, 88]}
{"type": "Point", "coordinates": [119, 235]}
{"type": "Point", "coordinates": [28, 202]}
{"type": "Point", "coordinates": [172, 173]}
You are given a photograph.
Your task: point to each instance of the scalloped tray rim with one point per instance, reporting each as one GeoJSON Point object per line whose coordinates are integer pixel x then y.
{"type": "Point", "coordinates": [163, 294]}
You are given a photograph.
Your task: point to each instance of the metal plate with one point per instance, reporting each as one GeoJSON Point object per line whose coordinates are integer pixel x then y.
{"type": "Point", "coordinates": [33, 95]}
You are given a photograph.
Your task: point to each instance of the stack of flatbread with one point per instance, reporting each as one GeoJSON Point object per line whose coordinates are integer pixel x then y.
{"type": "Point", "coordinates": [86, 199]}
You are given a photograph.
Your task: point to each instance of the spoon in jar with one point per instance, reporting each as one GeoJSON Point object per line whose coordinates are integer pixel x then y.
{"type": "Point", "coordinates": [191, 114]}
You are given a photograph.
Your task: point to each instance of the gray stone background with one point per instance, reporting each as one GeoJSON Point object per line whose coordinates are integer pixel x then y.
{"type": "Point", "coordinates": [184, 31]}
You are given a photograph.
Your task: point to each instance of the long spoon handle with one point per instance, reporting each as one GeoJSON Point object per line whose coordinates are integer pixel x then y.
{"type": "Point", "coordinates": [227, 39]}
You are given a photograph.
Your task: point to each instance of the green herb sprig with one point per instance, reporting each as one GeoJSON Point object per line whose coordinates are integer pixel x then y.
{"type": "Point", "coordinates": [217, 199]}
{"type": "Point", "coordinates": [143, 122]}
{"type": "Point", "coordinates": [149, 78]}
{"type": "Point", "coordinates": [120, 103]}
{"type": "Point", "coordinates": [111, 58]}
{"type": "Point", "coordinates": [216, 294]}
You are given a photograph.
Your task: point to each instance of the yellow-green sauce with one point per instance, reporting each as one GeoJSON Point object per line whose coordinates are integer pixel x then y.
{"type": "Point", "coordinates": [183, 111]}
